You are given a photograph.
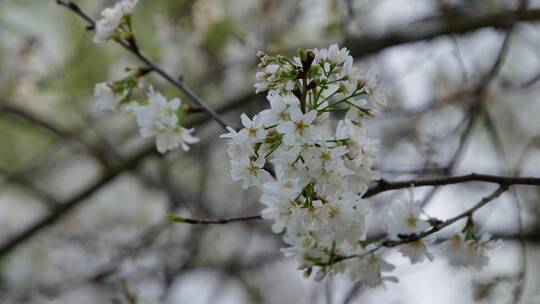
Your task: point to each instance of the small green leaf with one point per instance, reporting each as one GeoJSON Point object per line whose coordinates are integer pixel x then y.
{"type": "Point", "coordinates": [175, 218]}
{"type": "Point", "coordinates": [469, 230]}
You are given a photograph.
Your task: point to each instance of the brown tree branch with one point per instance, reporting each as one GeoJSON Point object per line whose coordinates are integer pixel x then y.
{"type": "Point", "coordinates": [383, 185]}
{"type": "Point", "coordinates": [194, 221]}
{"type": "Point", "coordinates": [457, 24]}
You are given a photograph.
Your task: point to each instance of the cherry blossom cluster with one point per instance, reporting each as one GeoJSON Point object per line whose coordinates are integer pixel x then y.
{"type": "Point", "coordinates": [313, 172]}
{"type": "Point", "coordinates": [115, 22]}
{"type": "Point", "coordinates": [159, 117]}
{"type": "Point", "coordinates": [329, 78]}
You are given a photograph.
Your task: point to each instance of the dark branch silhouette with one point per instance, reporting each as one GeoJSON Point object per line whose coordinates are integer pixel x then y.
{"type": "Point", "coordinates": [439, 26]}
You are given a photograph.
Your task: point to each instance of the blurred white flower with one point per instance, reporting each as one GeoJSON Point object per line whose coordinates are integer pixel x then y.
{"type": "Point", "coordinates": [160, 118]}
{"type": "Point", "coordinates": [172, 138]}
{"type": "Point", "coordinates": [106, 99]}
{"type": "Point", "coordinates": [404, 216]}
{"type": "Point", "coordinates": [111, 19]}
{"type": "Point", "coordinates": [158, 115]}
{"type": "Point", "coordinates": [370, 268]}
{"type": "Point", "coordinates": [469, 253]}
{"type": "Point", "coordinates": [355, 114]}
{"type": "Point", "coordinates": [417, 251]}
{"type": "Point", "coordinates": [375, 90]}
{"type": "Point", "coordinates": [128, 6]}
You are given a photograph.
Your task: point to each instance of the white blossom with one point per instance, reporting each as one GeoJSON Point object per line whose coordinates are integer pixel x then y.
{"type": "Point", "coordinates": [355, 114]}
{"type": "Point", "coordinates": [251, 172]}
{"type": "Point", "coordinates": [320, 174]}
{"type": "Point", "coordinates": [111, 19]}
{"type": "Point", "coordinates": [374, 89]}
{"type": "Point", "coordinates": [417, 251]}
{"type": "Point", "coordinates": [299, 129]}
{"type": "Point", "coordinates": [106, 99]}
{"type": "Point", "coordinates": [288, 165]}
{"type": "Point", "coordinates": [239, 145]}
{"type": "Point", "coordinates": [469, 253]}
{"type": "Point", "coordinates": [172, 138]}
{"type": "Point", "coordinates": [159, 118]}
{"type": "Point", "coordinates": [270, 79]}
{"type": "Point", "coordinates": [346, 219]}
{"type": "Point", "coordinates": [279, 109]}
{"type": "Point", "coordinates": [254, 129]}
{"type": "Point", "coordinates": [279, 198]}
{"type": "Point", "coordinates": [333, 55]}
{"type": "Point", "coordinates": [128, 6]}
{"type": "Point", "coordinates": [404, 217]}
{"type": "Point", "coordinates": [370, 268]}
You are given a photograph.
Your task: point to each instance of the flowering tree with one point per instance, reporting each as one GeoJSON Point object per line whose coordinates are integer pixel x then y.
{"type": "Point", "coordinates": [308, 152]}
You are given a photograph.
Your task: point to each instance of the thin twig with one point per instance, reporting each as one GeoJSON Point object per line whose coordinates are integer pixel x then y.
{"type": "Point", "coordinates": [383, 185]}
{"type": "Point", "coordinates": [194, 221]}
